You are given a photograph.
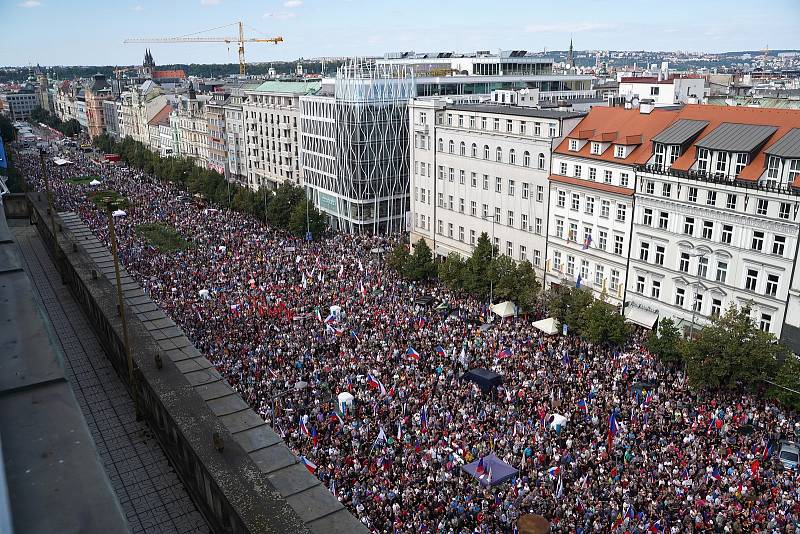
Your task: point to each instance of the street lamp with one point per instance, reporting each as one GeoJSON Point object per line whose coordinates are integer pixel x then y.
{"type": "Point", "coordinates": [694, 297]}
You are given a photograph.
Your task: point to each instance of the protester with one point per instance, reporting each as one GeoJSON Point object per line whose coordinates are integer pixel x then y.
{"type": "Point", "coordinates": [257, 302]}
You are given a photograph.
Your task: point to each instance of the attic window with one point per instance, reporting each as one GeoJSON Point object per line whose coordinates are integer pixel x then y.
{"type": "Point", "coordinates": [619, 151]}
{"type": "Point", "coordinates": [596, 148]}
{"type": "Point", "coordinates": [573, 145]}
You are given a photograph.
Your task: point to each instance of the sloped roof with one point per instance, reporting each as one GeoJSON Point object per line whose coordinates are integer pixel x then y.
{"type": "Point", "coordinates": [732, 137]}
{"type": "Point", "coordinates": [303, 88]}
{"type": "Point", "coordinates": [161, 74]}
{"type": "Point", "coordinates": [787, 146]}
{"type": "Point", "coordinates": [680, 132]}
{"type": "Point", "coordinates": [162, 117]}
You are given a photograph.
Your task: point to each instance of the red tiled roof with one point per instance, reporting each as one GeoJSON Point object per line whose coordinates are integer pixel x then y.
{"type": "Point", "coordinates": [629, 124]}
{"type": "Point", "coordinates": [159, 74]}
{"type": "Point", "coordinates": [597, 186]}
{"type": "Point", "coordinates": [162, 117]}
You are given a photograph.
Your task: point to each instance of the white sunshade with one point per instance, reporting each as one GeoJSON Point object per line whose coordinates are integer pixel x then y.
{"type": "Point", "coordinates": [204, 294]}
{"type": "Point", "coordinates": [505, 309]}
{"type": "Point", "coordinates": [640, 316]}
{"type": "Point", "coordinates": [558, 420]}
{"type": "Point", "coordinates": [94, 182]}
{"type": "Point", "coordinates": [549, 326]}
{"type": "Point", "coordinates": [61, 161]}
{"type": "Point", "coordinates": [118, 213]}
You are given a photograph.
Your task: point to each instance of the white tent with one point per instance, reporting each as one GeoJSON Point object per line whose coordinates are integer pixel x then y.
{"type": "Point", "coordinates": [204, 294]}
{"type": "Point", "coordinates": [345, 401]}
{"type": "Point", "coordinates": [548, 326]}
{"type": "Point", "coordinates": [118, 213]}
{"type": "Point", "coordinates": [505, 309]}
{"type": "Point", "coordinates": [558, 421]}
{"type": "Point", "coordinates": [61, 161]}
{"type": "Point", "coordinates": [94, 182]}
{"type": "Point", "coordinates": [336, 310]}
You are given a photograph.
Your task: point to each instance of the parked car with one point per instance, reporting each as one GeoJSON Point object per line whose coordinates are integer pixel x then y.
{"type": "Point", "coordinates": [789, 454]}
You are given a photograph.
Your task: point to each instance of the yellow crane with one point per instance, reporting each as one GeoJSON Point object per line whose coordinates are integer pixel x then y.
{"type": "Point", "coordinates": [241, 40]}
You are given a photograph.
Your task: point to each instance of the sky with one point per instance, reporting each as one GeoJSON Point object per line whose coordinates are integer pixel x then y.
{"type": "Point", "coordinates": [90, 32]}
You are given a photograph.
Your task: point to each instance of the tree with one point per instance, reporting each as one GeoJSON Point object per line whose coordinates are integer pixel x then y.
{"type": "Point", "coordinates": [527, 287]}
{"type": "Point", "coordinates": [451, 271]}
{"type": "Point", "coordinates": [732, 352]}
{"type": "Point", "coordinates": [503, 273]}
{"type": "Point", "coordinates": [6, 129]}
{"type": "Point", "coordinates": [419, 265]}
{"type": "Point", "coordinates": [602, 323]}
{"type": "Point", "coordinates": [317, 221]}
{"type": "Point", "coordinates": [788, 376]}
{"type": "Point", "coordinates": [280, 208]}
{"type": "Point", "coordinates": [71, 127]}
{"type": "Point", "coordinates": [578, 300]}
{"type": "Point", "coordinates": [665, 343]}
{"type": "Point", "coordinates": [398, 259]}
{"type": "Point", "coordinates": [243, 200]}
{"type": "Point", "coordinates": [476, 273]}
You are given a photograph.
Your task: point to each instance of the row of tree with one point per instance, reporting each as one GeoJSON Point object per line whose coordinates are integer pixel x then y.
{"type": "Point", "coordinates": [68, 128]}
{"type": "Point", "coordinates": [594, 319]}
{"type": "Point", "coordinates": [285, 207]}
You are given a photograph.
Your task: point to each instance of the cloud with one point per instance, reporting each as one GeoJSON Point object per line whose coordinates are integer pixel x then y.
{"type": "Point", "coordinates": [280, 15]}
{"type": "Point", "coordinates": [138, 8]}
{"type": "Point", "coordinates": [209, 2]}
{"type": "Point", "coordinates": [30, 3]}
{"type": "Point", "coordinates": [293, 3]}
{"type": "Point", "coordinates": [569, 27]}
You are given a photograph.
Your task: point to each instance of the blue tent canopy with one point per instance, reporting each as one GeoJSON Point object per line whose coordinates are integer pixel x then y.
{"type": "Point", "coordinates": [501, 471]}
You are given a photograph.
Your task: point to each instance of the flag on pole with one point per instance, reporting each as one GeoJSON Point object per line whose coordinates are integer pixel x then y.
{"type": "Point", "coordinates": [411, 353]}
{"type": "Point", "coordinates": [380, 440]}
{"type": "Point", "coordinates": [399, 430]}
{"type": "Point", "coordinates": [304, 426]}
{"type": "Point", "coordinates": [578, 281]}
{"type": "Point", "coordinates": [613, 428]}
{"type": "Point", "coordinates": [423, 419]}
{"type": "Point", "coordinates": [311, 466]}
{"type": "Point", "coordinates": [441, 352]}
{"type": "Point", "coordinates": [481, 468]}
{"type": "Point", "coordinates": [333, 487]}
{"type": "Point", "coordinates": [374, 383]}
{"type": "Point", "coordinates": [314, 436]}
{"type": "Point", "coordinates": [504, 353]}
{"type": "Point", "coordinates": [559, 488]}
{"type": "Point", "coordinates": [587, 242]}
{"type": "Point", "coordinates": [304, 282]}
{"type": "Point", "coordinates": [583, 406]}
{"type": "Point", "coordinates": [489, 476]}
{"type": "Point", "coordinates": [319, 315]}
{"type": "Point", "coordinates": [554, 471]}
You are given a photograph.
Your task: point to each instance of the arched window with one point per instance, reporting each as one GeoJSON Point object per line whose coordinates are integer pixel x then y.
{"type": "Point", "coordinates": [451, 146]}
{"type": "Point", "coordinates": [474, 150]}
{"type": "Point", "coordinates": [463, 148]}
{"type": "Point", "coordinates": [526, 159]}
{"type": "Point", "coordinates": [485, 151]}
{"type": "Point", "coordinates": [441, 145]}
{"type": "Point", "coordinates": [498, 155]}
{"type": "Point", "coordinates": [512, 157]}
{"type": "Point", "coordinates": [541, 160]}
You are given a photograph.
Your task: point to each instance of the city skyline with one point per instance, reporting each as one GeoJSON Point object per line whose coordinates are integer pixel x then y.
{"type": "Point", "coordinates": [314, 28]}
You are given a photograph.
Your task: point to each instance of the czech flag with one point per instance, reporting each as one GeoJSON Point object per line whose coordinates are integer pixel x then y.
{"type": "Point", "coordinates": [583, 406]}
{"type": "Point", "coordinates": [311, 466]}
{"type": "Point", "coordinates": [554, 471]}
{"type": "Point", "coordinates": [441, 352]}
{"type": "Point", "coordinates": [374, 383]}
{"type": "Point", "coordinates": [411, 353]}
{"type": "Point", "coordinates": [715, 473]}
{"type": "Point", "coordinates": [504, 353]}
{"type": "Point", "coordinates": [314, 436]}
{"type": "Point", "coordinates": [613, 428]}
{"type": "Point", "coordinates": [480, 469]}
{"type": "Point", "coordinates": [587, 242]}
{"type": "Point", "coordinates": [304, 427]}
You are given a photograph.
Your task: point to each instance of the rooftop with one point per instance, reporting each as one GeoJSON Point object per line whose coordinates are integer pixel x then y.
{"type": "Point", "coordinates": [516, 110]}
{"type": "Point", "coordinates": [303, 88]}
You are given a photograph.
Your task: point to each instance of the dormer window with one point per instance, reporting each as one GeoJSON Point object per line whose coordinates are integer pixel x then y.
{"type": "Point", "coordinates": [596, 148]}
{"type": "Point", "coordinates": [773, 167]}
{"type": "Point", "coordinates": [573, 145]}
{"type": "Point", "coordinates": [703, 158]}
{"type": "Point", "coordinates": [742, 159]}
{"type": "Point", "coordinates": [619, 151]}
{"type": "Point", "coordinates": [660, 152]}
{"type": "Point", "coordinates": [794, 170]}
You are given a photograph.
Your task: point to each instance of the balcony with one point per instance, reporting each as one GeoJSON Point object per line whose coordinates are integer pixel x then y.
{"type": "Point", "coordinates": [421, 128]}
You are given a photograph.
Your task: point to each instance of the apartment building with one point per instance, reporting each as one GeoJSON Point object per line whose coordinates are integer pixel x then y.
{"type": "Point", "coordinates": [665, 90]}
{"type": "Point", "coordinates": [190, 128]}
{"type": "Point", "coordinates": [272, 132]}
{"type": "Point", "coordinates": [483, 168]}
{"type": "Point", "coordinates": [97, 93]}
{"type": "Point", "coordinates": [716, 220]}
{"type": "Point", "coordinates": [214, 111]}
{"type": "Point", "coordinates": [19, 105]}
{"type": "Point", "coordinates": [235, 133]}
{"type": "Point", "coordinates": [138, 106]}
{"type": "Point", "coordinates": [591, 198]}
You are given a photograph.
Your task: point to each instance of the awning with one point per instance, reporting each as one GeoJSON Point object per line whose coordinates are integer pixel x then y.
{"type": "Point", "coordinates": [640, 316]}
{"type": "Point", "coordinates": [441, 251]}
{"type": "Point", "coordinates": [548, 326]}
{"type": "Point", "coordinates": [504, 309]}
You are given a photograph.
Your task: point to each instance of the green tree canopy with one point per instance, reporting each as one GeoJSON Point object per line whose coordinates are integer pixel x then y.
{"type": "Point", "coordinates": [419, 265]}
{"type": "Point", "coordinates": [528, 287]}
{"type": "Point", "coordinates": [476, 273]}
{"type": "Point", "coordinates": [317, 221]}
{"type": "Point", "coordinates": [666, 342]}
{"type": "Point", "coordinates": [600, 322]}
{"type": "Point", "coordinates": [398, 258]}
{"type": "Point", "coordinates": [451, 271]}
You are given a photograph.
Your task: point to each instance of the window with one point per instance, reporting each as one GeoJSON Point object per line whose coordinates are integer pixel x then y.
{"type": "Point", "coordinates": [619, 151]}
{"type": "Point", "coordinates": [742, 159]}
{"type": "Point", "coordinates": [766, 321]}
{"type": "Point", "coordinates": [644, 251]}
{"type": "Point", "coordinates": [679, 296]}
{"type": "Point", "coordinates": [537, 129]}
{"type": "Point", "coordinates": [605, 208]}
{"type": "Point", "coordinates": [537, 258]}
{"type": "Point", "coordinates": [570, 265]}
{"type": "Point", "coordinates": [511, 188]}
{"type": "Point", "coordinates": [551, 131]}
{"type": "Point", "coordinates": [497, 215]}
{"type": "Point", "coordinates": [702, 159]}
{"type": "Point", "coordinates": [716, 307]}
{"type": "Point", "coordinates": [722, 164]}
{"type": "Point", "coordinates": [640, 284]}
{"type": "Point", "coordinates": [473, 208]}
{"type": "Point", "coordinates": [647, 217]}
{"type": "Point", "coordinates": [449, 119]}
{"type": "Point", "coordinates": [473, 179]}
{"type": "Point", "coordinates": [711, 198]}
{"type": "Point", "coordinates": [663, 220]}
{"type": "Point", "coordinates": [708, 229]}
{"type": "Point", "coordinates": [573, 232]}
{"type": "Point", "coordinates": [598, 275]}
{"type": "Point", "coordinates": [450, 202]}
{"type": "Point", "coordinates": [618, 245]}
{"type": "Point", "coordinates": [461, 121]}
{"type": "Point", "coordinates": [524, 222]}
{"type": "Point", "coordinates": [559, 228]}
{"type": "Point", "coordinates": [562, 199]}
{"type": "Point", "coordinates": [584, 269]}
{"type": "Point", "coordinates": [614, 279]}
{"type": "Point", "coordinates": [595, 148]}
{"type": "Point", "coordinates": [692, 194]}
{"type": "Point", "coordinates": [563, 168]}
{"type": "Point", "coordinates": [683, 265]}
{"type": "Point", "coordinates": [525, 189]}
{"type": "Point", "coordinates": [698, 302]}
{"type": "Point", "coordinates": [730, 202]}
{"type": "Point", "coordinates": [772, 284]}
{"type": "Point", "coordinates": [440, 200]}
{"type": "Point", "coordinates": [727, 234]}
{"type": "Point", "coordinates": [485, 182]}
{"type": "Point", "coordinates": [688, 226]}
{"type": "Point", "coordinates": [794, 170]}
{"type": "Point", "coordinates": [451, 147]}
{"type": "Point", "coordinates": [510, 219]}
{"type": "Point", "coordinates": [758, 241]}
{"type": "Point", "coordinates": [722, 271]}
{"type": "Point", "coordinates": [623, 178]}
{"type": "Point", "coordinates": [440, 227]}
{"type": "Point", "coordinates": [461, 233]}
{"type": "Point", "coordinates": [783, 211]}
{"type": "Point", "coordinates": [660, 152]}
{"type": "Point", "coordinates": [474, 150]}
{"type": "Point", "coordinates": [573, 144]}
{"type": "Point", "coordinates": [498, 184]}
{"type": "Point", "coordinates": [590, 205]}
{"type": "Point", "coordinates": [509, 249]}
{"type": "Point", "coordinates": [576, 202]}
{"type": "Point", "coordinates": [441, 145]}
{"type": "Point", "coordinates": [485, 151]}
{"type": "Point", "coordinates": [512, 157]}
{"type": "Point", "coordinates": [577, 171]}
{"type": "Point", "coordinates": [659, 259]}
{"type": "Point", "coordinates": [773, 166]}
{"type": "Point", "coordinates": [509, 126]}
{"type": "Point", "coordinates": [497, 125]}
{"type": "Point", "coordinates": [539, 193]}
{"type": "Point", "coordinates": [462, 148]}
{"type": "Point", "coordinates": [621, 211]}
{"type": "Point", "coordinates": [538, 226]}
{"type": "Point", "coordinates": [483, 123]}
{"type": "Point", "coordinates": [702, 267]}
{"type": "Point", "coordinates": [540, 159]}
{"type": "Point", "coordinates": [602, 239]}
{"type": "Point", "coordinates": [522, 127]}
{"type": "Point", "coordinates": [450, 230]}
{"type": "Point", "coordinates": [666, 190]}
{"type": "Point", "coordinates": [778, 245]}
{"type": "Point", "coordinates": [461, 177]}
{"type": "Point", "coordinates": [592, 174]}
{"type": "Point", "coordinates": [461, 205]}
{"type": "Point", "coordinates": [557, 260]}
{"type": "Point", "coordinates": [522, 251]}
{"type": "Point", "coordinates": [751, 280]}
{"type": "Point", "coordinates": [655, 290]}
{"type": "Point", "coordinates": [472, 237]}
{"type": "Point", "coordinates": [526, 159]}
{"type": "Point", "coordinates": [649, 187]}
{"type": "Point", "coordinates": [485, 211]}
{"type": "Point", "coordinates": [762, 206]}
{"type": "Point", "coordinates": [451, 174]}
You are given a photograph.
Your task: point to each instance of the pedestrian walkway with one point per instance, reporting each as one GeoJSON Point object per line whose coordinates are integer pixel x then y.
{"type": "Point", "coordinates": [150, 492]}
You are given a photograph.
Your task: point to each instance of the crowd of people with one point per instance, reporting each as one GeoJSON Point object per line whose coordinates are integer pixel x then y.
{"type": "Point", "coordinates": [257, 302]}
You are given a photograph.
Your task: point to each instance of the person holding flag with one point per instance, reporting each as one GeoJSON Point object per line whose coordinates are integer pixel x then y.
{"type": "Point", "coordinates": [613, 428]}
{"type": "Point", "coordinates": [412, 354]}
{"type": "Point", "coordinates": [440, 351]}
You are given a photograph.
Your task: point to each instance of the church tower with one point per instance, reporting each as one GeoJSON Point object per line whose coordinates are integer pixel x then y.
{"type": "Point", "coordinates": [571, 57]}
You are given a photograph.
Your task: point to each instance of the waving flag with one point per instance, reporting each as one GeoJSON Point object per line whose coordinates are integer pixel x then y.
{"type": "Point", "coordinates": [304, 426]}
{"type": "Point", "coordinates": [374, 383]}
{"type": "Point", "coordinates": [314, 436]}
{"type": "Point", "coordinates": [334, 416]}
{"type": "Point", "coordinates": [587, 242]}
{"type": "Point", "coordinates": [613, 427]}
{"type": "Point", "coordinates": [411, 353]}
{"type": "Point", "coordinates": [715, 474]}
{"type": "Point", "coordinates": [361, 289]}
{"type": "Point", "coordinates": [333, 487]}
{"type": "Point", "coordinates": [504, 353]}
{"type": "Point", "coordinates": [489, 475]}
{"type": "Point", "coordinates": [481, 468]}
{"type": "Point", "coordinates": [559, 488]}
{"type": "Point", "coordinates": [578, 281]}
{"type": "Point", "coordinates": [441, 352]}
{"type": "Point", "coordinates": [304, 282]}
{"type": "Point", "coordinates": [583, 406]}
{"type": "Point", "coordinates": [554, 471]}
{"type": "Point", "coordinates": [380, 440]}
{"type": "Point", "coordinates": [311, 466]}
{"type": "Point", "coordinates": [399, 431]}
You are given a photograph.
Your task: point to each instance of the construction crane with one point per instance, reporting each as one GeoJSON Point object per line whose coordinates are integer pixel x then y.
{"type": "Point", "coordinates": [190, 39]}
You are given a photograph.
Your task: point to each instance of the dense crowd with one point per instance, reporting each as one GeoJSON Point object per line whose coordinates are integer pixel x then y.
{"type": "Point", "coordinates": [257, 303]}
